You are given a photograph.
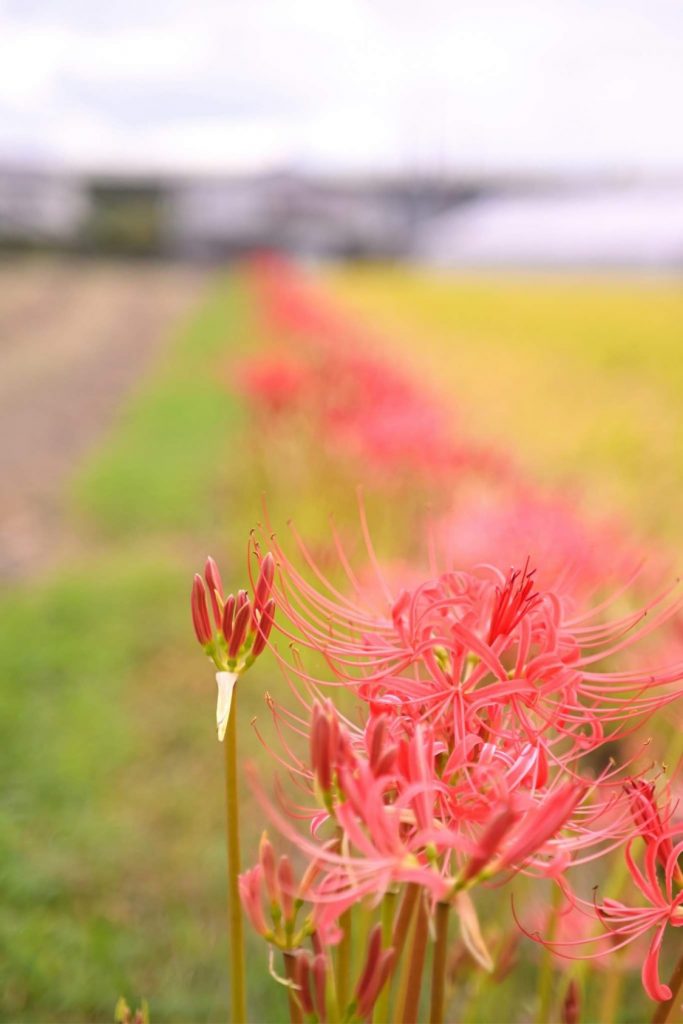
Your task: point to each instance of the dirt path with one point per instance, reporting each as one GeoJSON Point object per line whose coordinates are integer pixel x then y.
{"type": "Point", "coordinates": [74, 338]}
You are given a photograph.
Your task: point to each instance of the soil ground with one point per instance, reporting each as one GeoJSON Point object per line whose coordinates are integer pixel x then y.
{"type": "Point", "coordinates": [74, 338]}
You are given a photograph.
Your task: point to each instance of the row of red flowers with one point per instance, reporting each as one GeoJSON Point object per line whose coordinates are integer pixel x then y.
{"type": "Point", "coordinates": [483, 700]}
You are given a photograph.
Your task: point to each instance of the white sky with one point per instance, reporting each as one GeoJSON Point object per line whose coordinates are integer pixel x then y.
{"type": "Point", "coordinates": [343, 84]}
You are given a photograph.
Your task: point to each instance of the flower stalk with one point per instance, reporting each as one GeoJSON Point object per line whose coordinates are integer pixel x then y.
{"type": "Point", "coordinates": [236, 932]}
{"type": "Point", "coordinates": [436, 1011]}
{"type": "Point", "coordinates": [387, 914]}
{"type": "Point", "coordinates": [411, 982]}
{"type": "Point", "coordinates": [344, 958]}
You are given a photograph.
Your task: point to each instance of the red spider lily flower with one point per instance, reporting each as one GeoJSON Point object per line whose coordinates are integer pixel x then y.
{"type": "Point", "coordinates": [624, 924]}
{"type": "Point", "coordinates": [481, 653]}
{"type": "Point", "coordinates": [645, 808]}
{"type": "Point", "coordinates": [665, 907]}
{"type": "Point", "coordinates": [479, 699]}
{"type": "Point", "coordinates": [402, 819]}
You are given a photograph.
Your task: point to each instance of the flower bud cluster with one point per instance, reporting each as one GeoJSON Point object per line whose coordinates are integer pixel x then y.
{"type": "Point", "coordinates": [271, 883]}
{"type": "Point", "coordinates": [237, 630]}
{"type": "Point", "coordinates": [311, 975]}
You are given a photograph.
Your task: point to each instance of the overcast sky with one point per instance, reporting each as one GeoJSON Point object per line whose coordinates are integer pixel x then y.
{"type": "Point", "coordinates": [343, 84]}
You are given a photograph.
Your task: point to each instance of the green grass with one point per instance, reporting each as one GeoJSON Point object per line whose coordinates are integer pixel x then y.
{"type": "Point", "coordinates": [69, 655]}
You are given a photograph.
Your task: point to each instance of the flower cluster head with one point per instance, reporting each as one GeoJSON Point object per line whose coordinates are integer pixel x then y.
{"type": "Point", "coordinates": [483, 705]}
{"type": "Point", "coordinates": [474, 752]}
{"type": "Point", "coordinates": [236, 629]}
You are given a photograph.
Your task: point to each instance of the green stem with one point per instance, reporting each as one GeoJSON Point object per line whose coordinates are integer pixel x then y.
{"type": "Point", "coordinates": [343, 973]}
{"type": "Point", "coordinates": [403, 934]}
{"type": "Point", "coordinates": [670, 1011]}
{"type": "Point", "coordinates": [547, 967]}
{"type": "Point", "coordinates": [409, 1003]}
{"type": "Point", "coordinates": [236, 928]}
{"type": "Point", "coordinates": [381, 1012]}
{"type": "Point", "coordinates": [439, 964]}
{"type": "Point", "coordinates": [404, 918]}
{"type": "Point", "coordinates": [611, 993]}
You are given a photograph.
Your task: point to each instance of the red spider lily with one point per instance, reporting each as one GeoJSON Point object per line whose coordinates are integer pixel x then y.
{"type": "Point", "coordinates": [403, 819]}
{"type": "Point", "coordinates": [647, 815]}
{"type": "Point", "coordinates": [479, 698]}
{"type": "Point", "coordinates": [466, 767]}
{"type": "Point", "coordinates": [481, 654]}
{"type": "Point", "coordinates": [624, 924]}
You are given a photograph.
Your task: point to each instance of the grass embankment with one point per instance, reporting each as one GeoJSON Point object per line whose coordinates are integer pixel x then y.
{"type": "Point", "coordinates": [580, 378]}
{"type": "Point", "coordinates": [111, 835]}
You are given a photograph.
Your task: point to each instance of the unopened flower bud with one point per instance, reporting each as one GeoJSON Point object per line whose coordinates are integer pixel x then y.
{"type": "Point", "coordinates": [302, 979]}
{"type": "Point", "coordinates": [265, 625]}
{"type": "Point", "coordinates": [542, 823]}
{"type": "Point", "coordinates": [571, 1007]}
{"type": "Point", "coordinates": [371, 961]}
{"type": "Point", "coordinates": [376, 740]}
{"type": "Point", "coordinates": [239, 629]}
{"type": "Point", "coordinates": [250, 895]}
{"type": "Point", "coordinates": [320, 983]}
{"type": "Point", "coordinates": [380, 977]}
{"type": "Point", "coordinates": [320, 760]}
{"type": "Point", "coordinates": [264, 584]}
{"type": "Point", "coordinates": [200, 612]}
{"type": "Point", "coordinates": [215, 588]}
{"type": "Point", "coordinates": [228, 617]}
{"type": "Point", "coordinates": [312, 871]}
{"type": "Point", "coordinates": [285, 878]}
{"type": "Point", "coordinates": [489, 842]}
{"type": "Point", "coordinates": [267, 861]}
{"type": "Point", "coordinates": [385, 763]}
